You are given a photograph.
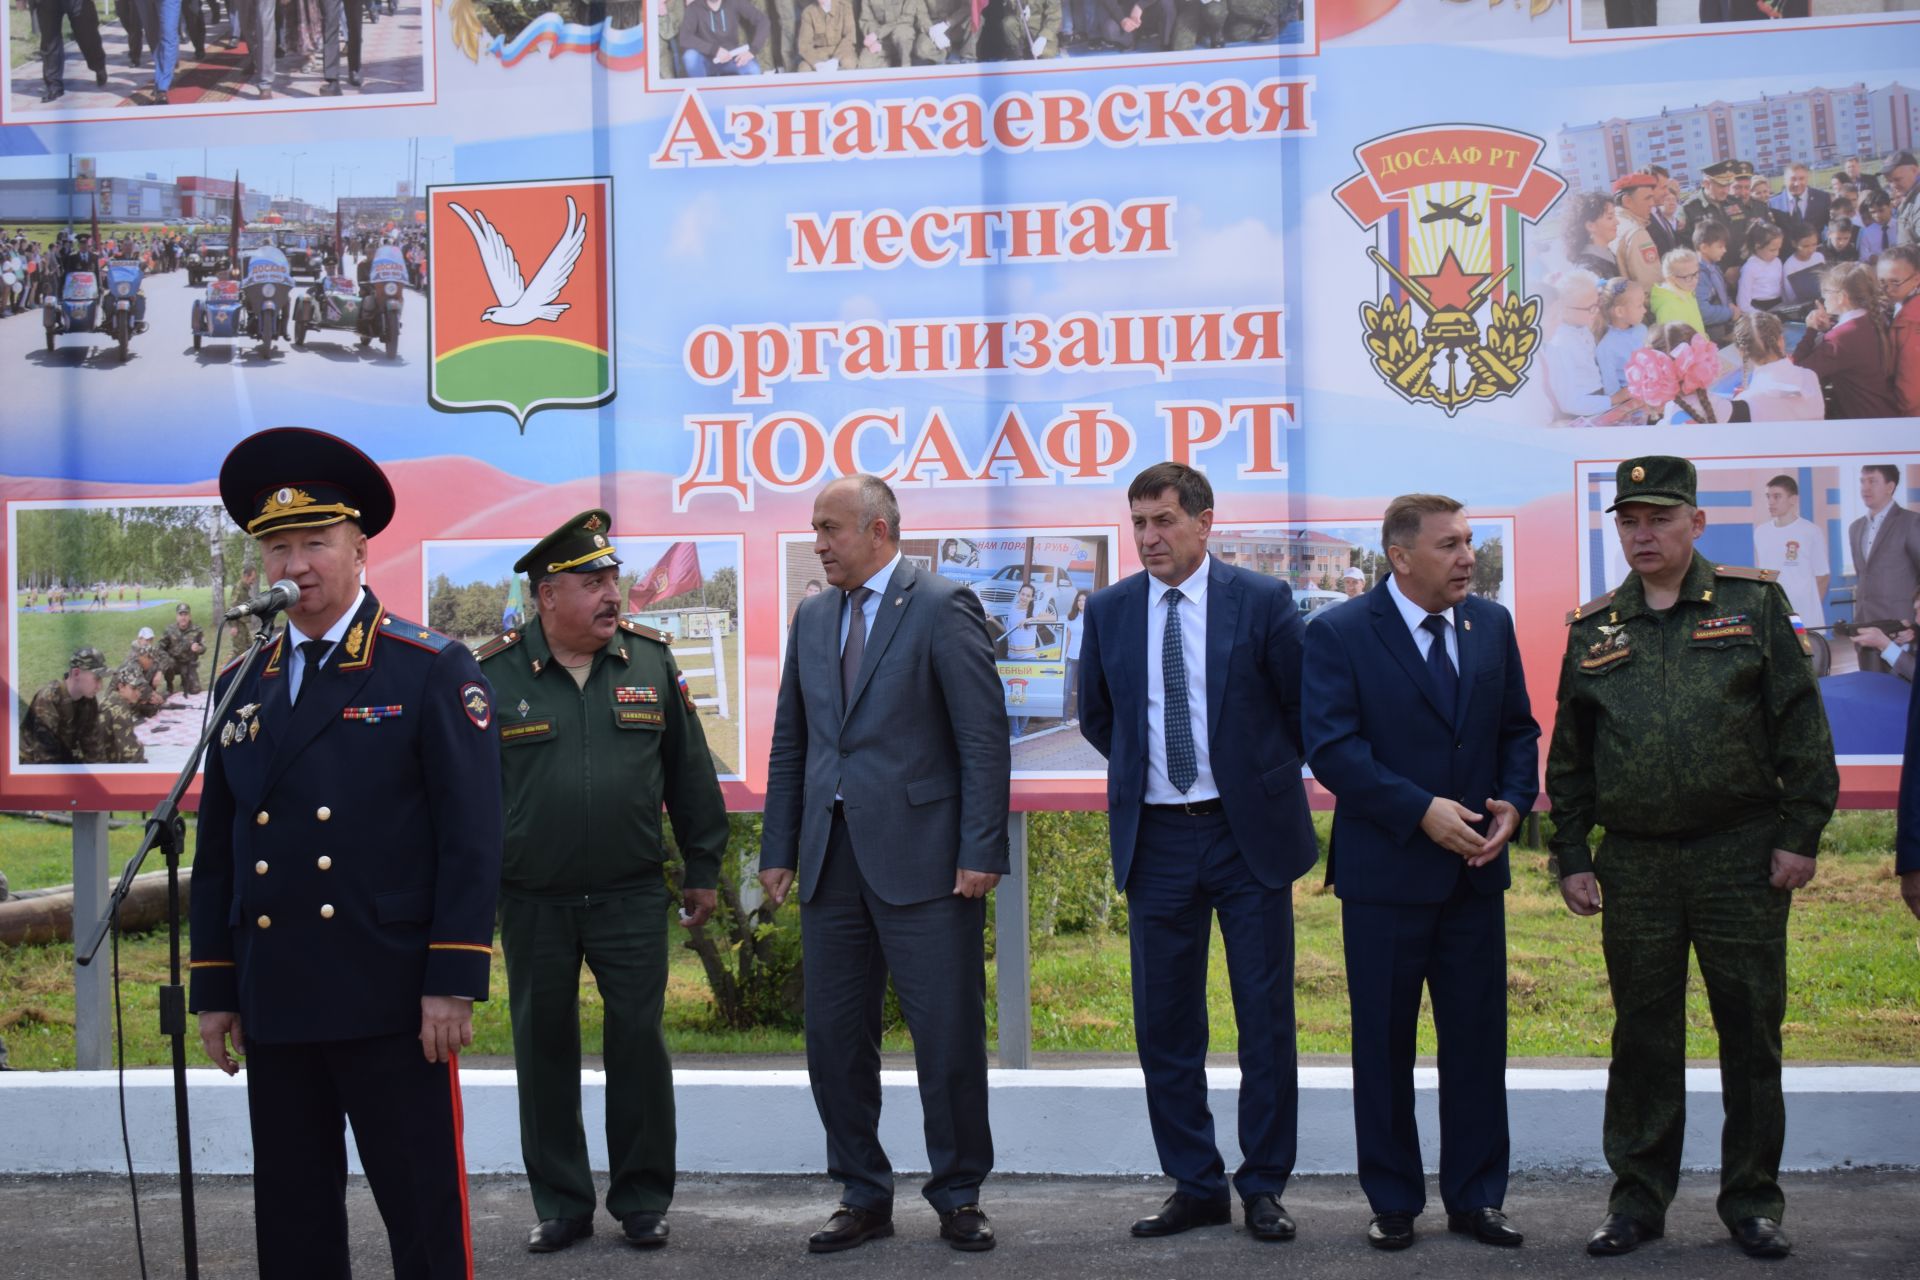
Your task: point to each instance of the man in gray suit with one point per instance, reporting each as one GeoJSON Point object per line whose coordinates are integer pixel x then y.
{"type": "Point", "coordinates": [887, 792]}
{"type": "Point", "coordinates": [1886, 556]}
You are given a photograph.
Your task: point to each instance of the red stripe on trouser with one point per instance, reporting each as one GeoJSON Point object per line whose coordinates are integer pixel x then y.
{"type": "Point", "coordinates": [460, 1159]}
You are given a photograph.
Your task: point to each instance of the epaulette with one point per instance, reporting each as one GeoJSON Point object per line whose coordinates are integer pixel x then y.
{"type": "Point", "coordinates": [1590, 607]}
{"type": "Point", "coordinates": [635, 629]}
{"type": "Point", "coordinates": [395, 627]}
{"type": "Point", "coordinates": [499, 644]}
{"type": "Point", "coordinates": [1745, 572]}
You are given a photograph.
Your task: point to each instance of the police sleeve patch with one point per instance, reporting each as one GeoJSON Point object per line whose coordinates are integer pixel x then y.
{"type": "Point", "coordinates": [473, 701]}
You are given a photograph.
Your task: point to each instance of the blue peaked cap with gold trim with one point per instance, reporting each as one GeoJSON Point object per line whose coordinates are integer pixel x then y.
{"type": "Point", "coordinates": [298, 478]}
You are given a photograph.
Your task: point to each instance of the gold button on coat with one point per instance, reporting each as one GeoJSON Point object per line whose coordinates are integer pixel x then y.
{"type": "Point", "coordinates": [326, 912]}
{"type": "Point", "coordinates": [325, 863]}
{"type": "Point", "coordinates": [265, 922]}
{"type": "Point", "coordinates": [260, 818]}
{"type": "Point", "coordinates": [323, 813]}
{"type": "Point", "coordinates": [260, 868]}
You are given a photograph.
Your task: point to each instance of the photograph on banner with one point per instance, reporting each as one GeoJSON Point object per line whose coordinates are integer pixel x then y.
{"type": "Point", "coordinates": [1723, 259]}
{"type": "Point", "coordinates": [90, 60]}
{"type": "Point", "coordinates": [1345, 23]}
{"type": "Point", "coordinates": [725, 41]}
{"type": "Point", "coordinates": [1032, 585]}
{"type": "Point", "coordinates": [1842, 532]}
{"type": "Point", "coordinates": [130, 273]}
{"type": "Point", "coordinates": [114, 628]}
{"type": "Point", "coordinates": [1642, 19]}
{"type": "Point", "coordinates": [688, 589]}
{"type": "Point", "coordinates": [1328, 561]}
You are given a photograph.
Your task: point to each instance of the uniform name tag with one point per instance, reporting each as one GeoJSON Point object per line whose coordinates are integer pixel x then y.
{"type": "Point", "coordinates": [527, 729]}
{"type": "Point", "coordinates": [372, 715]}
{"type": "Point", "coordinates": [1738, 624]}
{"type": "Point", "coordinates": [640, 715]}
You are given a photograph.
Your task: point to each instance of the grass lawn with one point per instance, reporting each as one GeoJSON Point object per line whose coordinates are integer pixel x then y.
{"type": "Point", "coordinates": [47, 640]}
{"type": "Point", "coordinates": [1855, 995]}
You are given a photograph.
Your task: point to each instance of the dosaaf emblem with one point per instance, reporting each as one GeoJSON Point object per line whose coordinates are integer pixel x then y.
{"type": "Point", "coordinates": [1448, 204]}
{"type": "Point", "coordinates": [520, 295]}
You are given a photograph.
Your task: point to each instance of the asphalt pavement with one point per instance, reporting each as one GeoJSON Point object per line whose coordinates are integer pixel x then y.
{"type": "Point", "coordinates": [163, 367]}
{"type": "Point", "coordinates": [1857, 1223]}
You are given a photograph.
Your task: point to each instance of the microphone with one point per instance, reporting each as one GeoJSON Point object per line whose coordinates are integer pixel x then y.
{"type": "Point", "coordinates": [284, 594]}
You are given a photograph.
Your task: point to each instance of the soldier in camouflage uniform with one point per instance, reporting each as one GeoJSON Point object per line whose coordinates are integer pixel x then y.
{"type": "Point", "coordinates": [1691, 729]}
{"type": "Point", "coordinates": [666, 26]}
{"type": "Point", "coordinates": [1714, 202]}
{"type": "Point", "coordinates": [115, 741]}
{"type": "Point", "coordinates": [180, 648]}
{"type": "Point", "coordinates": [1022, 22]}
{"type": "Point", "coordinates": [64, 723]}
{"type": "Point", "coordinates": [962, 37]}
{"type": "Point", "coordinates": [1216, 23]}
{"type": "Point", "coordinates": [141, 673]}
{"type": "Point", "coordinates": [889, 29]}
{"type": "Point", "coordinates": [240, 630]}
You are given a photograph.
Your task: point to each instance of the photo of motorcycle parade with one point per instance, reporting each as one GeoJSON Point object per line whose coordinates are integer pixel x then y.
{"type": "Point", "coordinates": [117, 609]}
{"type": "Point", "coordinates": [95, 59]}
{"type": "Point", "coordinates": [290, 263]}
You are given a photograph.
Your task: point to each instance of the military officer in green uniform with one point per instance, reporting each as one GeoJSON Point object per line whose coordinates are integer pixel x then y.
{"type": "Point", "coordinates": [180, 647]}
{"type": "Point", "coordinates": [597, 731]}
{"type": "Point", "coordinates": [62, 723]}
{"type": "Point", "coordinates": [1714, 202]}
{"type": "Point", "coordinates": [1691, 730]}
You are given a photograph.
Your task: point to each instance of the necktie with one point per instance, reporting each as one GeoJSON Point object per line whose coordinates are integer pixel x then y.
{"type": "Point", "coordinates": [1800, 209]}
{"type": "Point", "coordinates": [1446, 681]}
{"type": "Point", "coordinates": [1182, 765]}
{"type": "Point", "coordinates": [313, 651]}
{"type": "Point", "coordinates": [856, 646]}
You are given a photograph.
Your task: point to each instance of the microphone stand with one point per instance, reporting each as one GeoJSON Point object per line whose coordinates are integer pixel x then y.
{"type": "Point", "coordinates": [167, 830]}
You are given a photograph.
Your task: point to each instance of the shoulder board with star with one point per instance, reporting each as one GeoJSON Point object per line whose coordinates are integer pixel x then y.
{"type": "Point", "coordinates": [1745, 572]}
{"type": "Point", "coordinates": [499, 644]}
{"type": "Point", "coordinates": [1590, 608]}
{"type": "Point", "coordinates": [421, 636]}
{"type": "Point", "coordinates": [648, 633]}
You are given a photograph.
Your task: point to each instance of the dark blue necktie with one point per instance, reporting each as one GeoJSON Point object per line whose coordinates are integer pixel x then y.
{"type": "Point", "coordinates": [1182, 765]}
{"type": "Point", "coordinates": [1446, 681]}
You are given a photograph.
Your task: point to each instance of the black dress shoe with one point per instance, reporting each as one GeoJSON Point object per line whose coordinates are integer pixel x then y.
{"type": "Point", "coordinates": [555, 1234]}
{"type": "Point", "coordinates": [1488, 1226]}
{"type": "Point", "coordinates": [100, 75]}
{"type": "Point", "coordinates": [1390, 1230]}
{"type": "Point", "coordinates": [1267, 1218]}
{"type": "Point", "coordinates": [1183, 1212]}
{"type": "Point", "coordinates": [331, 89]}
{"type": "Point", "coordinates": [50, 94]}
{"type": "Point", "coordinates": [967, 1229]}
{"type": "Point", "coordinates": [645, 1228]}
{"type": "Point", "coordinates": [1619, 1234]}
{"type": "Point", "coordinates": [850, 1226]}
{"type": "Point", "coordinates": [1762, 1238]}
{"type": "Point", "coordinates": [159, 97]}
{"type": "Point", "coordinates": [353, 78]}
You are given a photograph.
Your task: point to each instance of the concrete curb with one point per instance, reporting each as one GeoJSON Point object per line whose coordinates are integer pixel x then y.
{"type": "Point", "coordinates": [1051, 1121]}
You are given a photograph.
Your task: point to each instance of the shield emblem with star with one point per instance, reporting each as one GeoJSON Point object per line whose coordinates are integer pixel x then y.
{"type": "Point", "coordinates": [520, 295]}
{"type": "Point", "coordinates": [1453, 324]}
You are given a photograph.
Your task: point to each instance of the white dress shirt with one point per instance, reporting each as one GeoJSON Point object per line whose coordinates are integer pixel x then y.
{"type": "Point", "coordinates": [1193, 652]}
{"type": "Point", "coordinates": [1874, 520]}
{"type": "Point", "coordinates": [1415, 617]}
{"type": "Point", "coordinates": [297, 661]}
{"type": "Point", "coordinates": [876, 587]}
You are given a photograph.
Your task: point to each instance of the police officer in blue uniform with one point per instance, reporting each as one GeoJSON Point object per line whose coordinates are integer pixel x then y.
{"type": "Point", "coordinates": [344, 884]}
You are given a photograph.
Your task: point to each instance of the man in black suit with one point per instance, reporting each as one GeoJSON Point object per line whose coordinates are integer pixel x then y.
{"type": "Point", "coordinates": [1802, 204]}
{"type": "Point", "coordinates": [887, 794]}
{"type": "Point", "coordinates": [349, 855]}
{"type": "Point", "coordinates": [1663, 218]}
{"type": "Point", "coordinates": [53, 43]}
{"type": "Point", "coordinates": [1419, 724]}
{"type": "Point", "coordinates": [1190, 687]}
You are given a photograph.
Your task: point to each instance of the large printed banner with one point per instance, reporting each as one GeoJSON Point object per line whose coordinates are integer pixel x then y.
{"type": "Point", "coordinates": [688, 260]}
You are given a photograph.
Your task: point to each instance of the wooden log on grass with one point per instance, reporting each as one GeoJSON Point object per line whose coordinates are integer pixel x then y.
{"type": "Point", "coordinates": [47, 916]}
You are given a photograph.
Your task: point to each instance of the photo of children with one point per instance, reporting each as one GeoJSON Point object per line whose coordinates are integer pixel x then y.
{"type": "Point", "coordinates": [1721, 213]}
{"type": "Point", "coordinates": [688, 589]}
{"type": "Point", "coordinates": [1033, 588]}
{"type": "Point", "coordinates": [115, 629]}
{"type": "Point", "coordinates": [1843, 537]}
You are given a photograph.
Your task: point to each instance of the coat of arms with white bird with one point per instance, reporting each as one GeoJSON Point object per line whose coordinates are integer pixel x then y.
{"type": "Point", "coordinates": [518, 300]}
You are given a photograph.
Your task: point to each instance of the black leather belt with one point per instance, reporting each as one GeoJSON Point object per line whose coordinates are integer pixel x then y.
{"type": "Point", "coordinates": [1191, 808]}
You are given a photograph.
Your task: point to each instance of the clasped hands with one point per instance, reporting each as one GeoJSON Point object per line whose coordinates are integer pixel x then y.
{"type": "Point", "coordinates": [1448, 824]}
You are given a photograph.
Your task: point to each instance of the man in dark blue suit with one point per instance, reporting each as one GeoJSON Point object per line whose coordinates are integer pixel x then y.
{"type": "Point", "coordinates": [1906, 842]}
{"type": "Point", "coordinates": [344, 883]}
{"type": "Point", "coordinates": [1801, 205]}
{"type": "Point", "coordinates": [1419, 725]}
{"type": "Point", "coordinates": [1207, 815]}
